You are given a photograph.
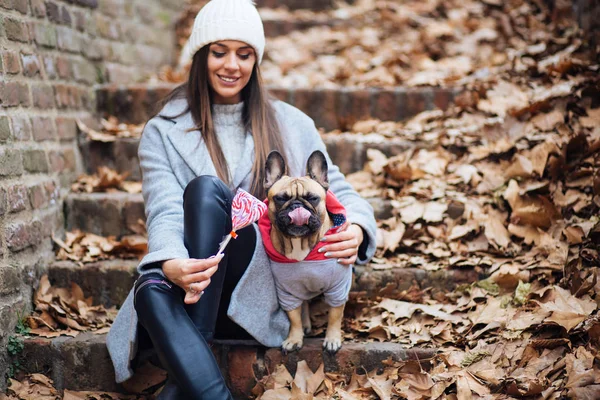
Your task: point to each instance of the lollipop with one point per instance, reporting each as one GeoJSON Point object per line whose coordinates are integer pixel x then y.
{"type": "Point", "coordinates": [245, 209]}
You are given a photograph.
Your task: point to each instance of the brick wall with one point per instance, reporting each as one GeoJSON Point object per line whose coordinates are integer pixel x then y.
{"type": "Point", "coordinates": [52, 53]}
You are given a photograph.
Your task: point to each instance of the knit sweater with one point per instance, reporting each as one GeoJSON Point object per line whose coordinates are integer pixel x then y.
{"type": "Point", "coordinates": [230, 132]}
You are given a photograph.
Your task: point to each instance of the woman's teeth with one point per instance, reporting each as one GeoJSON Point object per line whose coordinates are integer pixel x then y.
{"type": "Point", "coordinates": [228, 79]}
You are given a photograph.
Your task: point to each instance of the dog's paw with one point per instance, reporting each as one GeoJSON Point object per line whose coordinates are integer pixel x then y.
{"type": "Point", "coordinates": [332, 344]}
{"type": "Point", "coordinates": [291, 344]}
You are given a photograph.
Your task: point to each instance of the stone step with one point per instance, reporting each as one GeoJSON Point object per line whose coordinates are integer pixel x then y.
{"type": "Point", "coordinates": [348, 151]}
{"type": "Point", "coordinates": [315, 5]}
{"type": "Point", "coordinates": [282, 26]}
{"type": "Point", "coordinates": [114, 213]}
{"type": "Point", "coordinates": [82, 363]}
{"type": "Point", "coordinates": [329, 108]}
{"type": "Point", "coordinates": [109, 282]}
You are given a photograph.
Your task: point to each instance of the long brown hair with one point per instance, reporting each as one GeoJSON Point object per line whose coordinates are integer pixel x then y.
{"type": "Point", "coordinates": [258, 116]}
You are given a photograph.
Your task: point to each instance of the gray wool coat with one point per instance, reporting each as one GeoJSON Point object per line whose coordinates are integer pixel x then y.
{"type": "Point", "coordinates": [169, 159]}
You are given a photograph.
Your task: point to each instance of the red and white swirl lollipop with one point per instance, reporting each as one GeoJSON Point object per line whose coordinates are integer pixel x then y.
{"type": "Point", "coordinates": [245, 209]}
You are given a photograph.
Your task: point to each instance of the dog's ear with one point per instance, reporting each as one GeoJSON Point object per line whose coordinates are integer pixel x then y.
{"type": "Point", "coordinates": [274, 169]}
{"type": "Point", "coordinates": [316, 168]}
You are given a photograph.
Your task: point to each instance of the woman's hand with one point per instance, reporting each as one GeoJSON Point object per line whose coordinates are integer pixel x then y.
{"type": "Point", "coordinates": [191, 274]}
{"type": "Point", "coordinates": [344, 244]}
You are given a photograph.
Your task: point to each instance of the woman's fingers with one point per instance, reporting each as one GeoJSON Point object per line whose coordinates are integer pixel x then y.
{"type": "Point", "coordinates": [198, 287]}
{"type": "Point", "coordinates": [346, 244]}
{"type": "Point", "coordinates": [200, 276]}
{"type": "Point", "coordinates": [338, 237]}
{"type": "Point", "coordinates": [199, 265]}
{"type": "Point", "coordinates": [341, 253]}
{"type": "Point", "coordinates": [348, 261]}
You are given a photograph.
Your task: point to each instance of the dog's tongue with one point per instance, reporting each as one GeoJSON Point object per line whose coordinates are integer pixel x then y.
{"type": "Point", "coordinates": [299, 216]}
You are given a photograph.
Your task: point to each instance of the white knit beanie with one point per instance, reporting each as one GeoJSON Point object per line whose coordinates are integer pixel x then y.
{"type": "Point", "coordinates": [226, 20]}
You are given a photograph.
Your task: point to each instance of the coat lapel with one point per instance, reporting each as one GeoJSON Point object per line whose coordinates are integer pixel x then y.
{"type": "Point", "coordinates": [192, 150]}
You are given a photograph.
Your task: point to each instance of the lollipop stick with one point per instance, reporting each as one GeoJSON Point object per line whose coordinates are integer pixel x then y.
{"type": "Point", "coordinates": [224, 244]}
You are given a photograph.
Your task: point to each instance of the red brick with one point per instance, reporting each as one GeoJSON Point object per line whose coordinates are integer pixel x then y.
{"type": "Point", "coordinates": [9, 95]}
{"type": "Point", "coordinates": [10, 281]}
{"type": "Point", "coordinates": [13, 94]}
{"type": "Point", "coordinates": [21, 235]}
{"type": "Point", "coordinates": [37, 196]}
{"type": "Point", "coordinates": [52, 191]}
{"type": "Point", "coordinates": [43, 96]}
{"type": "Point", "coordinates": [38, 8]}
{"type": "Point", "coordinates": [63, 66]}
{"type": "Point", "coordinates": [21, 128]}
{"type": "Point", "coordinates": [69, 159]}
{"type": "Point", "coordinates": [87, 3]}
{"type": "Point", "coordinates": [16, 30]}
{"type": "Point", "coordinates": [2, 201]}
{"type": "Point", "coordinates": [56, 161]}
{"type": "Point", "coordinates": [80, 20]}
{"type": "Point", "coordinates": [31, 64]}
{"type": "Point", "coordinates": [5, 132]}
{"type": "Point", "coordinates": [21, 6]}
{"type": "Point", "coordinates": [17, 198]}
{"type": "Point", "coordinates": [66, 128]}
{"type": "Point", "coordinates": [45, 35]}
{"type": "Point", "coordinates": [68, 39]}
{"type": "Point", "coordinates": [240, 362]}
{"type": "Point", "coordinates": [53, 12]}
{"type": "Point", "coordinates": [34, 160]}
{"type": "Point", "coordinates": [10, 60]}
{"type": "Point", "coordinates": [66, 96]}
{"type": "Point", "coordinates": [43, 128]}
{"type": "Point", "coordinates": [11, 162]}
{"type": "Point", "coordinates": [49, 67]}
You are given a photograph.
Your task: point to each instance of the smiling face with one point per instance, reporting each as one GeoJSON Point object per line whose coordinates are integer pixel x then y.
{"type": "Point", "coordinates": [230, 64]}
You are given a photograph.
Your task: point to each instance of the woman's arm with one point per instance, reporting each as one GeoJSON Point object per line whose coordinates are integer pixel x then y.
{"type": "Point", "coordinates": [163, 197]}
{"type": "Point", "coordinates": [359, 211]}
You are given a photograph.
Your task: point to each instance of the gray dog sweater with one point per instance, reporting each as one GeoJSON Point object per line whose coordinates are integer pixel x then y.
{"type": "Point", "coordinates": [298, 281]}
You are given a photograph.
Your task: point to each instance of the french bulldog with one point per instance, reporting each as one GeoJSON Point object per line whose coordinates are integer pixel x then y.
{"type": "Point", "coordinates": [301, 211]}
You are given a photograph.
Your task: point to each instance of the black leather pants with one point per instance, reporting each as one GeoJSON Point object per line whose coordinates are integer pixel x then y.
{"type": "Point", "coordinates": [180, 333]}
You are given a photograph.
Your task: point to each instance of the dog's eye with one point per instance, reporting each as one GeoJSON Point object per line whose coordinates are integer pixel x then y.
{"type": "Point", "coordinates": [313, 198]}
{"type": "Point", "coordinates": [281, 197]}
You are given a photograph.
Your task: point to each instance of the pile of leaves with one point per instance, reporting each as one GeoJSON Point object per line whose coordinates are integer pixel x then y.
{"type": "Point", "coordinates": [507, 182]}
{"type": "Point", "coordinates": [84, 247]}
{"type": "Point", "coordinates": [452, 375]}
{"type": "Point", "coordinates": [62, 311]}
{"type": "Point", "coordinates": [105, 180]}
{"type": "Point", "coordinates": [111, 130]}
{"type": "Point", "coordinates": [413, 43]}
{"type": "Point", "coordinates": [40, 387]}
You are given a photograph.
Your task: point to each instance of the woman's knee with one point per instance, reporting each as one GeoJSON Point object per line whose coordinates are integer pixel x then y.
{"type": "Point", "coordinates": [204, 185]}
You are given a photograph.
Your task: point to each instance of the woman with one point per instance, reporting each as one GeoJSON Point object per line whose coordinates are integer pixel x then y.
{"type": "Point", "coordinates": [213, 136]}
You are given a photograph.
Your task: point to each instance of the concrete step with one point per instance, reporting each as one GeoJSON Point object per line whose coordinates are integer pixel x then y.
{"type": "Point", "coordinates": [282, 26]}
{"type": "Point", "coordinates": [348, 151]}
{"type": "Point", "coordinates": [109, 282]}
{"type": "Point", "coordinates": [83, 363]}
{"type": "Point", "coordinates": [315, 5]}
{"type": "Point", "coordinates": [114, 213]}
{"type": "Point", "coordinates": [330, 108]}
